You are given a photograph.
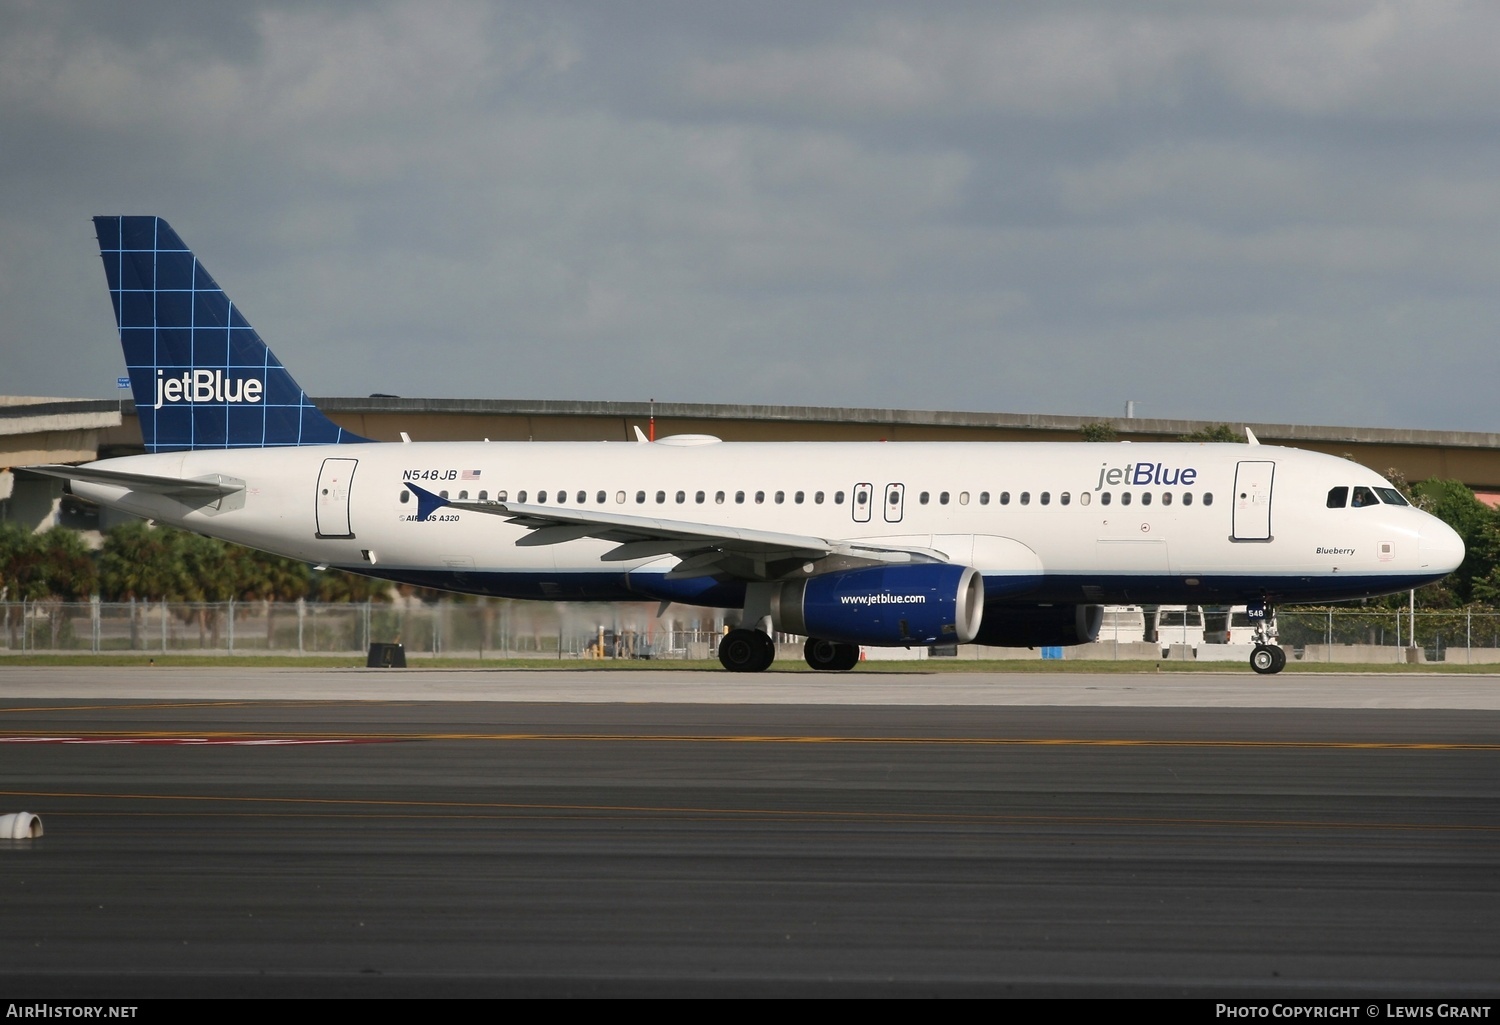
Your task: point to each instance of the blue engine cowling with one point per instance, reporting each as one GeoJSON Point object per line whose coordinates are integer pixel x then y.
{"type": "Point", "coordinates": [1036, 626]}
{"type": "Point", "coordinates": [885, 606]}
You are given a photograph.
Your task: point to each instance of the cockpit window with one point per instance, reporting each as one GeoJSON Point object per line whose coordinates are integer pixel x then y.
{"type": "Point", "coordinates": [1364, 496]}
{"type": "Point", "coordinates": [1390, 496]}
{"type": "Point", "coordinates": [1338, 498]}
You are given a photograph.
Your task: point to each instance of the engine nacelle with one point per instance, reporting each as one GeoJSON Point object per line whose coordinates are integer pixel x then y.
{"type": "Point", "coordinates": [885, 606]}
{"type": "Point", "coordinates": [1036, 626]}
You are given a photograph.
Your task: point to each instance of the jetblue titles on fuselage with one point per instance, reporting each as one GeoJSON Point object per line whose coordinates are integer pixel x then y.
{"type": "Point", "coordinates": [1146, 475]}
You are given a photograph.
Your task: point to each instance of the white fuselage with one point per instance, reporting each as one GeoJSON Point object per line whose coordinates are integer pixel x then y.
{"type": "Point", "coordinates": [1043, 522]}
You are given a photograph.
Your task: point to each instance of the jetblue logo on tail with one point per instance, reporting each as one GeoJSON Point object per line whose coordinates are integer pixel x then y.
{"type": "Point", "coordinates": [200, 375]}
{"type": "Point", "coordinates": [206, 386]}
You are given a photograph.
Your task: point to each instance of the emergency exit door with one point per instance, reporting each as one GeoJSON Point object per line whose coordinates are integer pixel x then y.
{"type": "Point", "coordinates": [1252, 500]}
{"type": "Point", "coordinates": [895, 500]}
{"type": "Point", "coordinates": [333, 498]}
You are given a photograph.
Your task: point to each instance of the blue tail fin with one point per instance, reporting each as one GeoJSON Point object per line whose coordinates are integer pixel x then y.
{"type": "Point", "coordinates": [201, 376]}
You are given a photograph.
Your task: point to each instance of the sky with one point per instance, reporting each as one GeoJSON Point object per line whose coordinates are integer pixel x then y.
{"type": "Point", "coordinates": [1279, 211]}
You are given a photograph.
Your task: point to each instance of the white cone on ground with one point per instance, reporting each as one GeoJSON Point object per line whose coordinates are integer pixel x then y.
{"type": "Point", "coordinates": [20, 825]}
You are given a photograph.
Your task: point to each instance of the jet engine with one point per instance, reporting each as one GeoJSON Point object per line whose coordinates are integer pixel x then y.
{"type": "Point", "coordinates": [1035, 626]}
{"type": "Point", "coordinates": [929, 603]}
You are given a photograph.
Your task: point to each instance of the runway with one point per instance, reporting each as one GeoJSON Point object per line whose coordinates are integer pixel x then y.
{"type": "Point", "coordinates": [269, 834]}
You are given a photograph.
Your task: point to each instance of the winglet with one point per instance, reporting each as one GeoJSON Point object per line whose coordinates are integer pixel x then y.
{"type": "Point", "coordinates": [427, 502]}
{"type": "Point", "coordinates": [1250, 437]}
{"type": "Point", "coordinates": [640, 437]}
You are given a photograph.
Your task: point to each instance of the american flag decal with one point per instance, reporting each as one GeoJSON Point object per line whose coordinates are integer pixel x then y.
{"type": "Point", "coordinates": [469, 475]}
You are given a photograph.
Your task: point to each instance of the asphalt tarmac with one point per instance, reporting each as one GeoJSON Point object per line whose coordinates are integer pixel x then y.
{"type": "Point", "coordinates": [248, 832]}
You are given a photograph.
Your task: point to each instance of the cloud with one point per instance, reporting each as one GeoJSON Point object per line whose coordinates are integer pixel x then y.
{"type": "Point", "coordinates": [1028, 207]}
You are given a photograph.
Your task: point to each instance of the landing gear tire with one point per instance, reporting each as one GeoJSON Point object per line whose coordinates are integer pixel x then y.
{"type": "Point", "coordinates": [1267, 659]}
{"type": "Point", "coordinates": [832, 656]}
{"type": "Point", "coordinates": [746, 651]}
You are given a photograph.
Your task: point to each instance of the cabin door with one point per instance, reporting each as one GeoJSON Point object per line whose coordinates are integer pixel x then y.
{"type": "Point", "coordinates": [333, 497]}
{"type": "Point", "coordinates": [1252, 500]}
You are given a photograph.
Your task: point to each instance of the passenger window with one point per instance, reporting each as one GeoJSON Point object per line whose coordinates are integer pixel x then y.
{"type": "Point", "coordinates": [1046, 498]}
{"type": "Point", "coordinates": [838, 498]}
{"type": "Point", "coordinates": [681, 497]}
{"type": "Point", "coordinates": [760, 498]}
{"type": "Point", "coordinates": [601, 498]}
{"type": "Point", "coordinates": [1124, 498]}
{"type": "Point", "coordinates": [943, 498]}
{"type": "Point", "coordinates": [984, 498]}
{"type": "Point", "coordinates": [541, 497]}
{"type": "Point", "coordinates": [405, 497]}
{"type": "Point", "coordinates": [1026, 498]}
{"type": "Point", "coordinates": [1085, 498]}
{"type": "Point", "coordinates": [1363, 497]}
{"type": "Point", "coordinates": [699, 497]}
{"type": "Point", "coordinates": [798, 497]}
{"type": "Point", "coordinates": [922, 498]}
{"type": "Point", "coordinates": [640, 498]}
{"type": "Point", "coordinates": [500, 496]}
{"type": "Point", "coordinates": [1145, 498]}
{"type": "Point", "coordinates": [661, 496]}
{"type": "Point", "coordinates": [1065, 498]}
{"type": "Point", "coordinates": [1005, 498]}
{"type": "Point", "coordinates": [1187, 498]}
{"type": "Point", "coordinates": [817, 498]}
{"type": "Point", "coordinates": [1166, 498]}
{"type": "Point", "coordinates": [739, 498]}
{"type": "Point", "coordinates": [583, 497]}
{"type": "Point", "coordinates": [521, 497]}
{"type": "Point", "coordinates": [442, 494]}
{"type": "Point", "coordinates": [780, 497]}
{"type": "Point", "coordinates": [718, 498]}
{"type": "Point", "coordinates": [1208, 498]}
{"type": "Point", "coordinates": [1104, 498]}
{"type": "Point", "coordinates": [963, 498]}
{"type": "Point", "coordinates": [619, 498]}
{"type": "Point", "coordinates": [1338, 498]}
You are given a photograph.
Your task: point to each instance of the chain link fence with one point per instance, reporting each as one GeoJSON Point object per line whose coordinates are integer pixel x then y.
{"type": "Point", "coordinates": [503, 629]}
{"type": "Point", "coordinates": [494, 629]}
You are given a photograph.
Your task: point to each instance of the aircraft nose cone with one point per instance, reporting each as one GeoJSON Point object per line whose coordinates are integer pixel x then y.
{"type": "Point", "coordinates": [1441, 547]}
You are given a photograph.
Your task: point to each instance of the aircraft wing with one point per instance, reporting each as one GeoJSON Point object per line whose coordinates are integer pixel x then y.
{"type": "Point", "coordinates": [704, 548]}
{"type": "Point", "coordinates": [211, 487]}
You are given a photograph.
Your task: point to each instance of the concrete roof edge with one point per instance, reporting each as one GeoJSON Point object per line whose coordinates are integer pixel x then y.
{"type": "Point", "coordinates": [109, 411]}
{"type": "Point", "coordinates": [63, 407]}
{"type": "Point", "coordinates": [905, 417]}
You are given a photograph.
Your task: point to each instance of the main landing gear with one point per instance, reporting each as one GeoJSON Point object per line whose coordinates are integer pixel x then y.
{"type": "Point", "coordinates": [746, 651]}
{"type": "Point", "coordinates": [830, 655]}
{"type": "Point", "coordinates": [750, 651]}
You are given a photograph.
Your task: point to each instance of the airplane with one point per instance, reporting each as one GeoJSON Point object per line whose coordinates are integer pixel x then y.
{"type": "Point", "coordinates": [848, 544]}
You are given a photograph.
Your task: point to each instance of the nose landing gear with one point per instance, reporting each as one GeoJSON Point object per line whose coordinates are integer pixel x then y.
{"type": "Point", "coordinates": [1267, 658]}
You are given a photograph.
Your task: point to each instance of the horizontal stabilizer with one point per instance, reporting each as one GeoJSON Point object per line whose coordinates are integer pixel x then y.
{"type": "Point", "coordinates": [212, 486]}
